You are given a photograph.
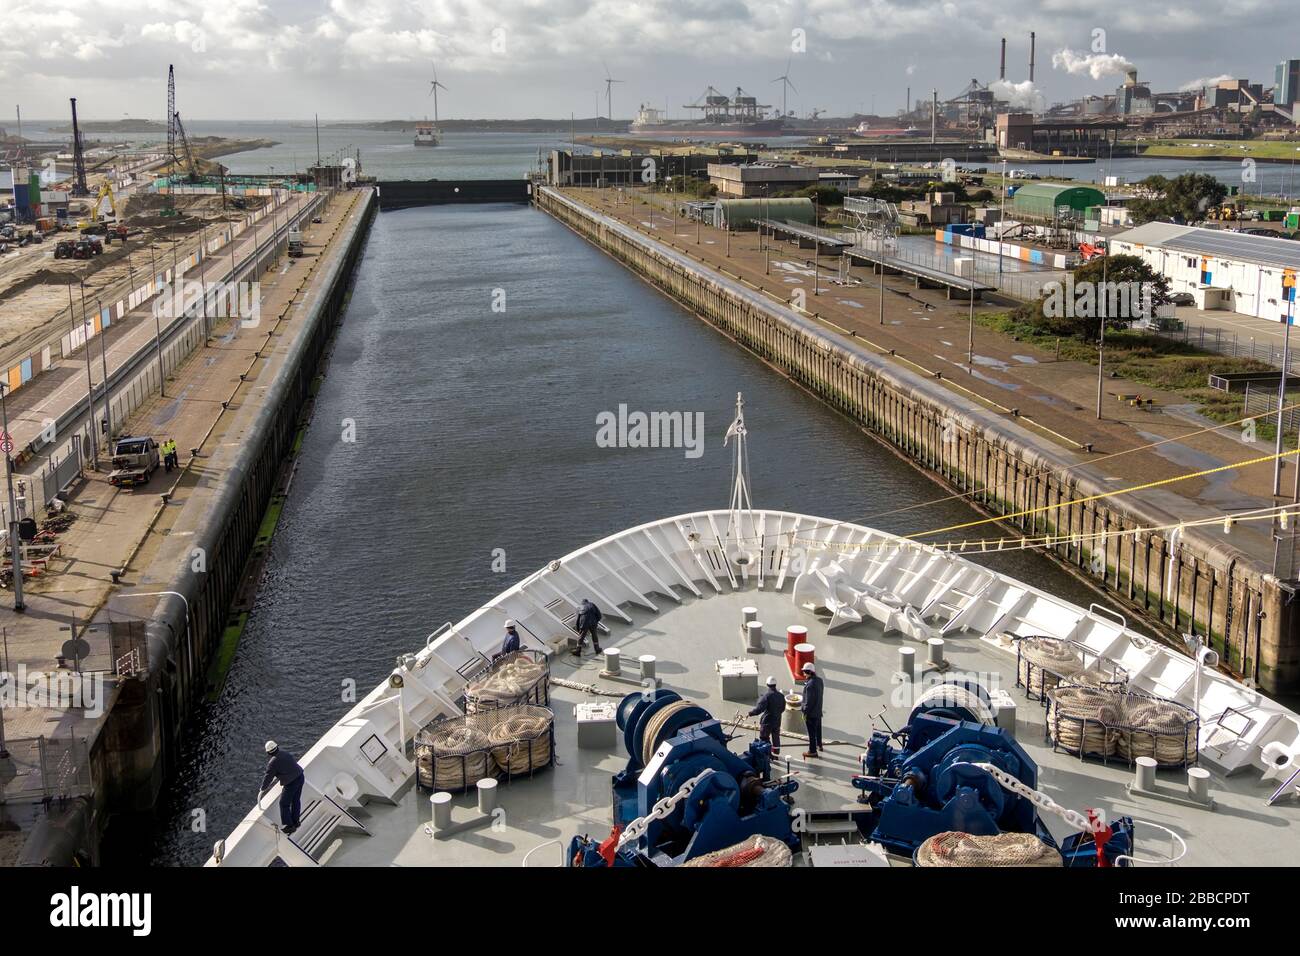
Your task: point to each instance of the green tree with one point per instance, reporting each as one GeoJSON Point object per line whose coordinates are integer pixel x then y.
{"type": "Point", "coordinates": [1187, 198]}
{"type": "Point", "coordinates": [1120, 288]}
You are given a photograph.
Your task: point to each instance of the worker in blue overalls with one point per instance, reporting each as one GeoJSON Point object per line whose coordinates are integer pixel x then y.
{"type": "Point", "coordinates": [813, 687]}
{"type": "Point", "coordinates": [588, 618]}
{"type": "Point", "coordinates": [769, 710]}
{"type": "Point", "coordinates": [282, 767]}
{"type": "Point", "coordinates": [511, 642]}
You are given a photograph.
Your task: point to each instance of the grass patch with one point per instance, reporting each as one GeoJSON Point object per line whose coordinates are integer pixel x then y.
{"type": "Point", "coordinates": [1224, 149]}
{"type": "Point", "coordinates": [1153, 361]}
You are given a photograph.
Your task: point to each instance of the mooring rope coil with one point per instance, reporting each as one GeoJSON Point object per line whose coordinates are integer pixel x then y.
{"type": "Point", "coordinates": [952, 849]}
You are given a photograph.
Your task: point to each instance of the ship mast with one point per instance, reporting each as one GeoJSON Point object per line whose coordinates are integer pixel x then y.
{"type": "Point", "coordinates": [740, 501]}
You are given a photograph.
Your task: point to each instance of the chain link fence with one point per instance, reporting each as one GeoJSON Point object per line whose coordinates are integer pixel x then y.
{"type": "Point", "coordinates": [1262, 400]}
{"type": "Point", "coordinates": [922, 250]}
{"type": "Point", "coordinates": [34, 491]}
{"type": "Point", "coordinates": [1233, 344]}
{"type": "Point", "coordinates": [44, 768]}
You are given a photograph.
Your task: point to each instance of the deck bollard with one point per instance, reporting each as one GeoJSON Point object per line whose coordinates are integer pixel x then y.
{"type": "Point", "coordinates": [754, 636]}
{"type": "Point", "coordinates": [647, 662]}
{"type": "Point", "coordinates": [1198, 784]}
{"type": "Point", "coordinates": [907, 663]}
{"type": "Point", "coordinates": [441, 810]}
{"type": "Point", "coordinates": [487, 796]}
{"type": "Point", "coordinates": [613, 660]}
{"type": "Point", "coordinates": [934, 651]}
{"type": "Point", "coordinates": [1145, 778]}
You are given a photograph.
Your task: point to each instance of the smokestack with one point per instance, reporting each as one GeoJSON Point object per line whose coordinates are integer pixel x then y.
{"type": "Point", "coordinates": [1002, 70]}
{"type": "Point", "coordinates": [934, 113]}
{"type": "Point", "coordinates": [1031, 57]}
{"type": "Point", "coordinates": [907, 107]}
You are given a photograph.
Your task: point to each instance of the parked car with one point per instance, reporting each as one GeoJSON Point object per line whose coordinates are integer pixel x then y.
{"type": "Point", "coordinates": [1182, 298]}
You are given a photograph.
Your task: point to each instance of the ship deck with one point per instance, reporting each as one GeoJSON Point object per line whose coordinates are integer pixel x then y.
{"type": "Point", "coordinates": [858, 664]}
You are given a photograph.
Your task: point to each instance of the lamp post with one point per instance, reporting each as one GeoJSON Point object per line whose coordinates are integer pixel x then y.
{"type": "Point", "coordinates": [90, 384]}
{"type": "Point", "coordinates": [880, 264]}
{"type": "Point", "coordinates": [1101, 339]}
{"type": "Point", "coordinates": [157, 323]}
{"type": "Point", "coordinates": [163, 594]}
{"type": "Point", "coordinates": [970, 330]}
{"type": "Point", "coordinates": [1288, 286]}
{"type": "Point", "coordinates": [15, 545]}
{"type": "Point", "coordinates": [1002, 219]}
{"type": "Point", "coordinates": [108, 395]}
{"type": "Point", "coordinates": [203, 285]}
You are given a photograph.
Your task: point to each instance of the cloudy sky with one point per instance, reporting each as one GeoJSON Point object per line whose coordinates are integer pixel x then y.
{"type": "Point", "coordinates": [346, 59]}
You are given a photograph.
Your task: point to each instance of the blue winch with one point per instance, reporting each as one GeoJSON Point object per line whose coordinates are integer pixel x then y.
{"type": "Point", "coordinates": [676, 749]}
{"type": "Point", "coordinates": [924, 780]}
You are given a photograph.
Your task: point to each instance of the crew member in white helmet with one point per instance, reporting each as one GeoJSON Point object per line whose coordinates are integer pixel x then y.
{"type": "Point", "coordinates": [511, 643]}
{"type": "Point", "coordinates": [283, 767]}
{"type": "Point", "coordinates": [813, 686]}
{"type": "Point", "coordinates": [771, 706]}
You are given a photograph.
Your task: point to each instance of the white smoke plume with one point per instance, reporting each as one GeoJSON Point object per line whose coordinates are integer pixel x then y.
{"type": "Point", "coordinates": [1096, 65]}
{"type": "Point", "coordinates": [1203, 82]}
{"type": "Point", "coordinates": [1020, 96]}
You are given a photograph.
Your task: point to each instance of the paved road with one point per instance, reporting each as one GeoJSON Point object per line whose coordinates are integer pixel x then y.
{"type": "Point", "coordinates": [62, 389]}
{"type": "Point", "coordinates": [112, 530]}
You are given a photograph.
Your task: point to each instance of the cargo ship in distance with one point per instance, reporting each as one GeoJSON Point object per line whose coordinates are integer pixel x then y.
{"type": "Point", "coordinates": [426, 134]}
{"type": "Point", "coordinates": [719, 113]}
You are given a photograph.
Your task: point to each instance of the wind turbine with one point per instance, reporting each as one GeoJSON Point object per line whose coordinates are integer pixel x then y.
{"type": "Point", "coordinates": [784, 80]}
{"type": "Point", "coordinates": [434, 86]}
{"type": "Point", "coordinates": [609, 93]}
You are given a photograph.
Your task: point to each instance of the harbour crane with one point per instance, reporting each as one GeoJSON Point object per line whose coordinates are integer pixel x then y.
{"type": "Point", "coordinates": [189, 153]}
{"type": "Point", "coordinates": [79, 187]}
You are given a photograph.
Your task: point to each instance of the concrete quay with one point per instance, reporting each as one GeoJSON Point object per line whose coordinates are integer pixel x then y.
{"type": "Point", "coordinates": [146, 576]}
{"type": "Point", "coordinates": [1014, 432]}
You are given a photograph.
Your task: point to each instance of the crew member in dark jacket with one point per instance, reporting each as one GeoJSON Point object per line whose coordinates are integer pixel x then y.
{"type": "Point", "coordinates": [771, 706]}
{"type": "Point", "coordinates": [282, 766]}
{"type": "Point", "coordinates": [511, 643]}
{"type": "Point", "coordinates": [813, 688]}
{"type": "Point", "coordinates": [588, 618]}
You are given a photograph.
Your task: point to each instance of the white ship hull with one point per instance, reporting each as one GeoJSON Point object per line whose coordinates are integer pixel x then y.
{"type": "Point", "coordinates": [665, 587]}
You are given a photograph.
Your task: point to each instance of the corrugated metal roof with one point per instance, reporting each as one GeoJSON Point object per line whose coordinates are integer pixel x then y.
{"type": "Point", "coordinates": [1261, 250]}
{"type": "Point", "coordinates": [1151, 234]}
{"type": "Point", "coordinates": [1054, 190]}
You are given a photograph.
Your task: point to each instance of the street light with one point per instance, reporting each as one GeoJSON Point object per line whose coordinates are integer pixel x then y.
{"type": "Point", "coordinates": [1101, 340]}
{"type": "Point", "coordinates": [157, 322]}
{"type": "Point", "coordinates": [1002, 221]}
{"type": "Point", "coordinates": [178, 594]}
{"type": "Point", "coordinates": [90, 384]}
{"type": "Point", "coordinates": [1288, 286]}
{"type": "Point", "coordinates": [108, 395]}
{"type": "Point", "coordinates": [15, 547]}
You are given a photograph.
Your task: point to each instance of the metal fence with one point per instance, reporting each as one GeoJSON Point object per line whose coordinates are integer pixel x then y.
{"type": "Point", "coordinates": [1262, 400]}
{"type": "Point", "coordinates": [35, 491]}
{"type": "Point", "coordinates": [1233, 344]}
{"type": "Point", "coordinates": [1025, 285]}
{"type": "Point", "coordinates": [129, 391]}
{"type": "Point", "coordinates": [43, 768]}
{"type": "Point", "coordinates": [128, 648]}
